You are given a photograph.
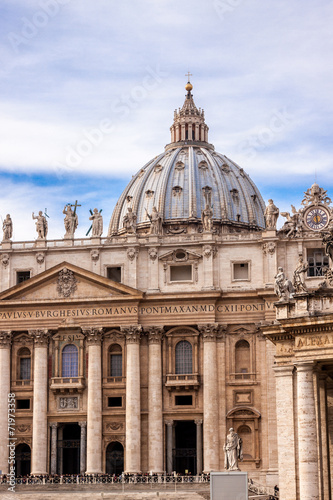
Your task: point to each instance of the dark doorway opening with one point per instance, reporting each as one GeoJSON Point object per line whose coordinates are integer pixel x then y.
{"type": "Point", "coordinates": [69, 449]}
{"type": "Point", "coordinates": [114, 458]}
{"type": "Point", "coordinates": [185, 451]}
{"type": "Point", "coordinates": [22, 460]}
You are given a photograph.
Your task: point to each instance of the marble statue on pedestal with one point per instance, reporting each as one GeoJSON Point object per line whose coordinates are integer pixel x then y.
{"type": "Point", "coordinates": [283, 287]}
{"type": "Point", "coordinates": [271, 215]}
{"type": "Point", "coordinates": [233, 450]}
{"type": "Point", "coordinates": [41, 225]}
{"type": "Point", "coordinates": [7, 227]}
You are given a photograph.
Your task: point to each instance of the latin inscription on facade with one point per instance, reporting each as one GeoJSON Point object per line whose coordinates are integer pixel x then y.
{"type": "Point", "coordinates": [313, 341]}
{"type": "Point", "coordinates": [134, 310]}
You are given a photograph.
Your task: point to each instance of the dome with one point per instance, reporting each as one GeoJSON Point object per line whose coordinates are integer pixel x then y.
{"type": "Point", "coordinates": [187, 177]}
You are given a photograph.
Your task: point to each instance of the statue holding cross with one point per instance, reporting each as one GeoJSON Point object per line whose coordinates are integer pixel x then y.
{"type": "Point", "coordinates": [71, 220]}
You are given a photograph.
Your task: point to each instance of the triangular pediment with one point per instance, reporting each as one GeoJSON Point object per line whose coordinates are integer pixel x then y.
{"type": "Point", "coordinates": [68, 282]}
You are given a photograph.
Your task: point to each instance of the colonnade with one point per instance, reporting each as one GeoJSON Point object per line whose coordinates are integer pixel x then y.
{"type": "Point", "coordinates": [303, 447]}
{"type": "Point", "coordinates": [207, 440]}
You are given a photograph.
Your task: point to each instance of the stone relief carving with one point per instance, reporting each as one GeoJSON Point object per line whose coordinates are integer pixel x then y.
{"type": "Point", "coordinates": [5, 259]}
{"type": "Point", "coordinates": [152, 252]}
{"type": "Point", "coordinates": [283, 286]}
{"type": "Point", "coordinates": [7, 228]}
{"type": "Point", "coordinates": [67, 283]}
{"type": "Point", "coordinates": [129, 221]}
{"type": "Point", "coordinates": [40, 257]}
{"type": "Point", "coordinates": [23, 428]}
{"type": "Point", "coordinates": [233, 450]}
{"type": "Point", "coordinates": [68, 403]}
{"type": "Point", "coordinates": [132, 253]}
{"type": "Point", "coordinates": [176, 229]}
{"type": "Point", "coordinates": [315, 195]}
{"type": "Point", "coordinates": [114, 426]}
{"type": "Point", "coordinates": [94, 255]}
{"type": "Point", "coordinates": [271, 215]}
{"type": "Point", "coordinates": [299, 276]}
{"type": "Point", "coordinates": [269, 248]}
{"type": "Point", "coordinates": [41, 225]}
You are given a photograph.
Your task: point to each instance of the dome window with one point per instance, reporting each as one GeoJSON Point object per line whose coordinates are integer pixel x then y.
{"type": "Point", "coordinates": [177, 190]}
{"type": "Point", "coordinates": [158, 169]}
{"type": "Point", "coordinates": [149, 193]}
{"type": "Point", "coordinates": [179, 166]}
{"type": "Point", "coordinates": [203, 165]}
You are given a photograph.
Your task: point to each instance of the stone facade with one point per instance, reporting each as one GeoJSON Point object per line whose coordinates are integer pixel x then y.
{"type": "Point", "coordinates": [139, 351]}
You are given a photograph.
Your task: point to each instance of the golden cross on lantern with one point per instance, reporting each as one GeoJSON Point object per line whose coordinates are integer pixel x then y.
{"type": "Point", "coordinates": [188, 75]}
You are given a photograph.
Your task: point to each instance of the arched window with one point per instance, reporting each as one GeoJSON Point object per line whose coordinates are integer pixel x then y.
{"type": "Point", "coordinates": [116, 361]}
{"type": "Point", "coordinates": [24, 364]}
{"type": "Point", "coordinates": [183, 357]}
{"type": "Point", "coordinates": [69, 361]}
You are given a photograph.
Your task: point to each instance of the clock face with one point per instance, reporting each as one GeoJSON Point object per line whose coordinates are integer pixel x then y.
{"type": "Point", "coordinates": [316, 218]}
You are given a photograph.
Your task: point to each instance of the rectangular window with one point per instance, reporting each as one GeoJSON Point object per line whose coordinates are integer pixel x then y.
{"type": "Point", "coordinates": [317, 261]}
{"type": "Point", "coordinates": [116, 365]}
{"type": "Point", "coordinates": [23, 404]}
{"type": "Point", "coordinates": [115, 402]}
{"type": "Point", "coordinates": [241, 271]}
{"type": "Point", "coordinates": [114, 274]}
{"type": "Point", "coordinates": [180, 273]}
{"type": "Point", "coordinates": [25, 367]}
{"type": "Point", "coordinates": [183, 400]}
{"type": "Point", "coordinates": [22, 276]}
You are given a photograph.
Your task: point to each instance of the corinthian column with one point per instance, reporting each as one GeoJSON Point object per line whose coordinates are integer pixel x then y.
{"type": "Point", "coordinates": [133, 408]}
{"type": "Point", "coordinates": [5, 343]}
{"type": "Point", "coordinates": [155, 417]}
{"type": "Point", "coordinates": [39, 424]}
{"type": "Point", "coordinates": [94, 404]}
{"type": "Point", "coordinates": [307, 433]}
{"type": "Point", "coordinates": [210, 401]}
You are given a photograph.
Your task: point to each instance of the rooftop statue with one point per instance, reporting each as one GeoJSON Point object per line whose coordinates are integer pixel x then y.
{"type": "Point", "coordinates": [293, 225]}
{"type": "Point", "coordinates": [41, 225]}
{"type": "Point", "coordinates": [207, 219]}
{"type": "Point", "coordinates": [7, 227]}
{"type": "Point", "coordinates": [71, 220]}
{"type": "Point", "coordinates": [129, 221]}
{"type": "Point", "coordinates": [155, 222]}
{"type": "Point", "coordinates": [97, 223]}
{"type": "Point", "coordinates": [271, 215]}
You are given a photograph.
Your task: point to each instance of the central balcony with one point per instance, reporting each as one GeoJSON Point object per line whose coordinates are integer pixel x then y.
{"type": "Point", "coordinates": [67, 384]}
{"type": "Point", "coordinates": [180, 382]}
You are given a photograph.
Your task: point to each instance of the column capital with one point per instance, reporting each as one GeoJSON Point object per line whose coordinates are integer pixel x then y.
{"type": "Point", "coordinates": [305, 366]}
{"type": "Point", "coordinates": [169, 423]}
{"type": "Point", "coordinates": [198, 421]}
{"type": "Point", "coordinates": [54, 425]}
{"type": "Point", "coordinates": [41, 337]}
{"type": "Point", "coordinates": [132, 333]}
{"type": "Point", "coordinates": [209, 332]}
{"type": "Point", "coordinates": [5, 339]}
{"type": "Point", "coordinates": [93, 335]}
{"type": "Point", "coordinates": [155, 334]}
{"type": "Point", "coordinates": [284, 370]}
{"type": "Point", "coordinates": [82, 424]}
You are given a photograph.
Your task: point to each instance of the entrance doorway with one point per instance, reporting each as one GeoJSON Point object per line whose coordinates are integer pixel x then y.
{"type": "Point", "coordinates": [114, 458]}
{"type": "Point", "coordinates": [185, 451]}
{"type": "Point", "coordinates": [69, 449]}
{"type": "Point", "coordinates": [22, 460]}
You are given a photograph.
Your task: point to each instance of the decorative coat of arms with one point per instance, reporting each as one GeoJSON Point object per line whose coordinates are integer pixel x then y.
{"type": "Point", "coordinates": [67, 283]}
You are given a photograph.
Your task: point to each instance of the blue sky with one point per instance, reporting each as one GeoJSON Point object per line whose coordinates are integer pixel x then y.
{"type": "Point", "coordinates": [88, 90]}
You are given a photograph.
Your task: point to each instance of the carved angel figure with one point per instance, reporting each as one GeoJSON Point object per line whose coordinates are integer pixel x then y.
{"type": "Point", "coordinates": [293, 226]}
{"type": "Point", "coordinates": [283, 287]}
